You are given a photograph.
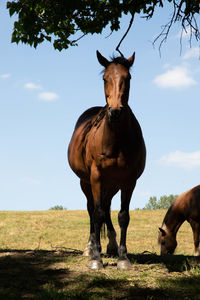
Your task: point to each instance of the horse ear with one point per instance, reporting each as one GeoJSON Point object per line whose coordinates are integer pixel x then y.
{"type": "Point", "coordinates": [131, 59]}
{"type": "Point", "coordinates": [162, 231]}
{"type": "Point", "coordinates": [102, 60]}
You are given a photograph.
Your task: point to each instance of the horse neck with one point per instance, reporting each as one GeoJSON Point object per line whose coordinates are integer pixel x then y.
{"type": "Point", "coordinates": [173, 219]}
{"type": "Point", "coordinates": [117, 130]}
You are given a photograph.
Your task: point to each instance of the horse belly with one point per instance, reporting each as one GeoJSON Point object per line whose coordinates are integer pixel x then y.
{"type": "Point", "coordinates": [76, 153]}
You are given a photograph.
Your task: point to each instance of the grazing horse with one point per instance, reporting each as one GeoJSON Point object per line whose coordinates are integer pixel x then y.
{"type": "Point", "coordinates": [186, 207]}
{"type": "Point", "coordinates": [107, 152]}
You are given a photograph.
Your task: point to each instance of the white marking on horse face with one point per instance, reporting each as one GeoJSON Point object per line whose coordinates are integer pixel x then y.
{"type": "Point", "coordinates": [116, 85]}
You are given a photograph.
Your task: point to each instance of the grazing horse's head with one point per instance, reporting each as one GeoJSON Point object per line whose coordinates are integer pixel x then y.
{"type": "Point", "coordinates": [167, 241]}
{"type": "Point", "coordinates": [116, 84]}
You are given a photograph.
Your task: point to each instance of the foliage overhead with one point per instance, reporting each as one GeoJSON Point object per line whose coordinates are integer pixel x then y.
{"type": "Point", "coordinates": [163, 203]}
{"type": "Point", "coordinates": [65, 22]}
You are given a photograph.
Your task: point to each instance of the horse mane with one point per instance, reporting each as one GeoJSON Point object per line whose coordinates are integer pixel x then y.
{"type": "Point", "coordinates": [173, 215]}
{"type": "Point", "coordinates": [167, 216]}
{"type": "Point", "coordinates": [94, 116]}
{"type": "Point", "coordinates": [120, 60]}
{"type": "Point", "coordinates": [100, 116]}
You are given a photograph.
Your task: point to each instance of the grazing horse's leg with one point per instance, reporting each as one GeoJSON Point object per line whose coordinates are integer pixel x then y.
{"type": "Point", "coordinates": [86, 188]}
{"type": "Point", "coordinates": [196, 235]}
{"type": "Point", "coordinates": [123, 219]}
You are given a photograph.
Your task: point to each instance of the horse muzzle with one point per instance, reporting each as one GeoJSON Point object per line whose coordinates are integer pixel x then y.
{"type": "Point", "coordinates": [115, 114]}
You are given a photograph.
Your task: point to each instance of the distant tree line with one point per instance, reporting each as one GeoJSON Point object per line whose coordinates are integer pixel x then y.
{"type": "Point", "coordinates": [58, 207]}
{"type": "Point", "coordinates": [163, 202]}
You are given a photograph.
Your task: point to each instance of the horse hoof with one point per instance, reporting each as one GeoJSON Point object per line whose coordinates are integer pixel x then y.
{"type": "Point", "coordinates": [123, 264]}
{"type": "Point", "coordinates": [88, 252]}
{"type": "Point", "coordinates": [95, 265]}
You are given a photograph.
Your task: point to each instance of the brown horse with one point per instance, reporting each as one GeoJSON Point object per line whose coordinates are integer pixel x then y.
{"type": "Point", "coordinates": [107, 152]}
{"type": "Point", "coordinates": [186, 207]}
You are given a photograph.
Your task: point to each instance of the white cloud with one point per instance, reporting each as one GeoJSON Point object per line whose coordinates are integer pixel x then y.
{"type": "Point", "coordinates": [166, 66]}
{"type": "Point", "coordinates": [5, 76]}
{"type": "Point", "coordinates": [192, 53]}
{"type": "Point", "coordinates": [177, 77]}
{"type": "Point", "coordinates": [32, 86]}
{"type": "Point", "coordinates": [30, 180]}
{"type": "Point", "coordinates": [182, 159]}
{"type": "Point", "coordinates": [48, 96]}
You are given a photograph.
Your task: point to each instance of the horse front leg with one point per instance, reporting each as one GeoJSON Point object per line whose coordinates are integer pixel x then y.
{"type": "Point", "coordinates": [196, 235]}
{"type": "Point", "coordinates": [98, 218]}
{"type": "Point", "coordinates": [123, 219]}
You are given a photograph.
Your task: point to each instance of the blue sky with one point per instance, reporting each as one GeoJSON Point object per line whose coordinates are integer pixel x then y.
{"type": "Point", "coordinates": [44, 91]}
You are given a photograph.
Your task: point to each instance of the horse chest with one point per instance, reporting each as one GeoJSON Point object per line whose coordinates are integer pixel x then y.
{"type": "Point", "coordinates": [116, 159]}
{"type": "Point", "coordinates": [112, 161]}
{"type": "Point", "coordinates": [108, 153]}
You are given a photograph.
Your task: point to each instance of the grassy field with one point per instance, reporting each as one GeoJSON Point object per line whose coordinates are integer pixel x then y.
{"type": "Point", "coordinates": [41, 258]}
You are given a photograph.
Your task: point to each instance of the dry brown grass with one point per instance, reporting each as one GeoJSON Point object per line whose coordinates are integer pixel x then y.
{"type": "Point", "coordinates": [40, 258]}
{"type": "Point", "coordinates": [63, 228]}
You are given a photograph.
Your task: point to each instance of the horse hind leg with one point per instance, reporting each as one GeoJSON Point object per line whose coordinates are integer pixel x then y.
{"type": "Point", "coordinates": [86, 188]}
{"type": "Point", "coordinates": [112, 247]}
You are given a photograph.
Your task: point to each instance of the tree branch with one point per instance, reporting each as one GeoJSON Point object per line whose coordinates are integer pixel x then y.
{"type": "Point", "coordinates": [165, 31]}
{"type": "Point", "coordinates": [80, 37]}
{"type": "Point", "coordinates": [186, 19]}
{"type": "Point", "coordinates": [129, 27]}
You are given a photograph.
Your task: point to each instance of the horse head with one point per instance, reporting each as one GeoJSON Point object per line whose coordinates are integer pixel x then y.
{"type": "Point", "coordinates": [167, 241]}
{"type": "Point", "coordinates": [116, 84]}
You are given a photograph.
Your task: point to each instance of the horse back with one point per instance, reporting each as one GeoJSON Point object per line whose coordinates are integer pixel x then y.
{"type": "Point", "coordinates": [189, 203]}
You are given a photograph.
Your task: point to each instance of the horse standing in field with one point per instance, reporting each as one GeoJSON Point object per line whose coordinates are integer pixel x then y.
{"type": "Point", "coordinates": [107, 152]}
{"type": "Point", "coordinates": [186, 207]}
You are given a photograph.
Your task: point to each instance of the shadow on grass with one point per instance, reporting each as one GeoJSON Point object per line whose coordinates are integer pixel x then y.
{"type": "Point", "coordinates": [24, 273]}
{"type": "Point", "coordinates": [174, 263]}
{"type": "Point", "coordinates": [27, 274]}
